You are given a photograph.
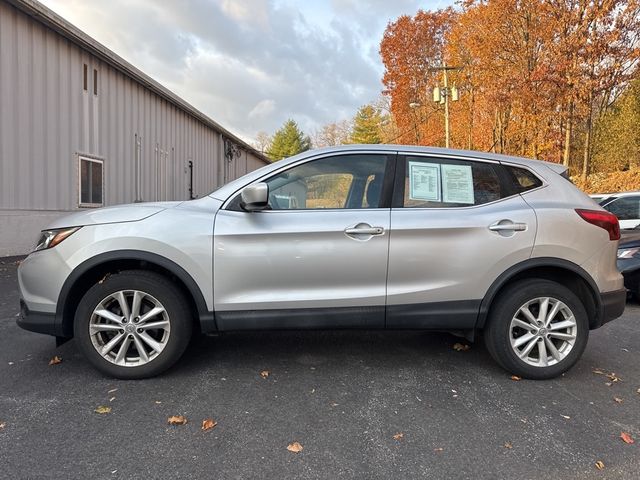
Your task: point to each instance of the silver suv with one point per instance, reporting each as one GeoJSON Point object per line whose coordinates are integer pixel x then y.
{"type": "Point", "coordinates": [363, 236]}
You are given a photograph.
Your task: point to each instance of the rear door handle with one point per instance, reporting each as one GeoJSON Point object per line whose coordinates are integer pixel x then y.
{"type": "Point", "coordinates": [364, 230]}
{"type": "Point", "coordinates": [507, 227]}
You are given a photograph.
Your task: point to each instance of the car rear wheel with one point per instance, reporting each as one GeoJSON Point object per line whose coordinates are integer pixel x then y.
{"type": "Point", "coordinates": [537, 329]}
{"type": "Point", "coordinates": [133, 324]}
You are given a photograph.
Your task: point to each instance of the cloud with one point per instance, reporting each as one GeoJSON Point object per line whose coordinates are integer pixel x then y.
{"type": "Point", "coordinates": [250, 64]}
{"type": "Point", "coordinates": [262, 109]}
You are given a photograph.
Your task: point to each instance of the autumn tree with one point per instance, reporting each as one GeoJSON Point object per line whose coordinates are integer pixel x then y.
{"type": "Point", "coordinates": [262, 142]}
{"type": "Point", "coordinates": [410, 47]}
{"type": "Point", "coordinates": [366, 125]}
{"type": "Point", "coordinates": [593, 56]}
{"type": "Point", "coordinates": [617, 136]}
{"type": "Point", "coordinates": [535, 76]}
{"type": "Point", "coordinates": [332, 134]}
{"type": "Point", "coordinates": [289, 140]}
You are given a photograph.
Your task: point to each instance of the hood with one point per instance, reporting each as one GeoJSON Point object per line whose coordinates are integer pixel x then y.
{"type": "Point", "coordinates": [117, 214]}
{"type": "Point", "coordinates": [629, 238]}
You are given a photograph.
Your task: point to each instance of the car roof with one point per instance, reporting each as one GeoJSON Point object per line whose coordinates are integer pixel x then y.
{"type": "Point", "coordinates": [624, 194]}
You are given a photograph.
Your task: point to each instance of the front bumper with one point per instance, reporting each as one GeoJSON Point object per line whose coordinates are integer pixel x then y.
{"type": "Point", "coordinates": [40, 322]}
{"type": "Point", "coordinates": [613, 304]}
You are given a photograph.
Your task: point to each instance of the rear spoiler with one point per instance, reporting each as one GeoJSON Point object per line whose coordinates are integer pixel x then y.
{"type": "Point", "coordinates": [560, 169]}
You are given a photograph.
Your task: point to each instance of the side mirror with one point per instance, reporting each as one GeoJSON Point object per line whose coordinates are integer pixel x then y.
{"type": "Point", "coordinates": [255, 197]}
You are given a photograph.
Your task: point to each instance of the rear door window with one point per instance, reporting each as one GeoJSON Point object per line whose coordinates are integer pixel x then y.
{"type": "Point", "coordinates": [429, 182]}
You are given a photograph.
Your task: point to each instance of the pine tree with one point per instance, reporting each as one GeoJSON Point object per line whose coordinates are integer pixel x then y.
{"type": "Point", "coordinates": [366, 125]}
{"type": "Point", "coordinates": [287, 141]}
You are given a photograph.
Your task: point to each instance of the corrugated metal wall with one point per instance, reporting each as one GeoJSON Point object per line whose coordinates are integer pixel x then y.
{"type": "Point", "coordinates": [47, 119]}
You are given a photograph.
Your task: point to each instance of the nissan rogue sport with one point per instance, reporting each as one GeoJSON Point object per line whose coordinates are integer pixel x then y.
{"type": "Point", "coordinates": [369, 237]}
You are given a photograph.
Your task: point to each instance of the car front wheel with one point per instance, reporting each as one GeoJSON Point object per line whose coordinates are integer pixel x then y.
{"type": "Point", "coordinates": [537, 329]}
{"type": "Point", "coordinates": [133, 324]}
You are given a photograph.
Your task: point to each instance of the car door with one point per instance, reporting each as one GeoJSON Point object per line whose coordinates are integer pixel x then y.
{"type": "Point", "coordinates": [456, 225]}
{"type": "Point", "coordinates": [317, 257]}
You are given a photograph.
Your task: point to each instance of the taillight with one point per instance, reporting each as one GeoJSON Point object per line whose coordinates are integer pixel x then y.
{"type": "Point", "coordinates": [602, 219]}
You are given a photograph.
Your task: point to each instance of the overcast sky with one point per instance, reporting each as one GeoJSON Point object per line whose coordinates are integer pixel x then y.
{"type": "Point", "coordinates": [251, 64]}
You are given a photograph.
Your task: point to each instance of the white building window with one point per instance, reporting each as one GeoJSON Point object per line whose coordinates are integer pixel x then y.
{"type": "Point", "coordinates": [91, 182]}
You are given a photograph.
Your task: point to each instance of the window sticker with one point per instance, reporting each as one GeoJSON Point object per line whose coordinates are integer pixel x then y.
{"type": "Point", "coordinates": [424, 181]}
{"type": "Point", "coordinates": [457, 184]}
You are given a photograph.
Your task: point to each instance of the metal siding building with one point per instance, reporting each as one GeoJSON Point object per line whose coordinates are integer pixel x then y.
{"type": "Point", "coordinates": [73, 113]}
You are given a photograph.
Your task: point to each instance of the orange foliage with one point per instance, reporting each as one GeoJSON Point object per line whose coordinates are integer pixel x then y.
{"type": "Point", "coordinates": [410, 46]}
{"type": "Point", "coordinates": [536, 74]}
{"type": "Point", "coordinates": [610, 182]}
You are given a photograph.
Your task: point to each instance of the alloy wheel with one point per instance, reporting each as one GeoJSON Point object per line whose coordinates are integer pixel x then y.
{"type": "Point", "coordinates": [129, 328]}
{"type": "Point", "coordinates": [543, 332]}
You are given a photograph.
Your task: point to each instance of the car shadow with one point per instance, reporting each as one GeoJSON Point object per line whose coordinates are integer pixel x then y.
{"type": "Point", "coordinates": [340, 349]}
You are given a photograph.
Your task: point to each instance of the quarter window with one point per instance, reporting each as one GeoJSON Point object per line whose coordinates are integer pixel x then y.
{"type": "Point", "coordinates": [441, 183]}
{"type": "Point", "coordinates": [91, 182]}
{"type": "Point", "coordinates": [523, 179]}
{"type": "Point", "coordinates": [341, 182]}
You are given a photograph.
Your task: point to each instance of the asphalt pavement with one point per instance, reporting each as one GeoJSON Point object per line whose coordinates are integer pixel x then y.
{"type": "Point", "coordinates": [371, 405]}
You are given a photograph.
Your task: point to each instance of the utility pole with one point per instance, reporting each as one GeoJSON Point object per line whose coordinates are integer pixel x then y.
{"type": "Point", "coordinates": [441, 95]}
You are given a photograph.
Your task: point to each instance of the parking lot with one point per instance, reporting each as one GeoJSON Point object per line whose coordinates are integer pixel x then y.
{"type": "Point", "coordinates": [361, 404]}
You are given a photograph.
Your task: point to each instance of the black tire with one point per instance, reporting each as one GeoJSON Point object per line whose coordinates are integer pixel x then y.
{"type": "Point", "coordinates": [174, 303]}
{"type": "Point", "coordinates": [497, 333]}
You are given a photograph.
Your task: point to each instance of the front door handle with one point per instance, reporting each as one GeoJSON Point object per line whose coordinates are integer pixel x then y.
{"type": "Point", "coordinates": [507, 226]}
{"type": "Point", "coordinates": [364, 230]}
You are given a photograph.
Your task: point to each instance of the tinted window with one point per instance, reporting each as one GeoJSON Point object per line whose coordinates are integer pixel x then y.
{"type": "Point", "coordinates": [347, 181]}
{"type": "Point", "coordinates": [625, 208]}
{"type": "Point", "coordinates": [437, 183]}
{"type": "Point", "coordinates": [523, 179]}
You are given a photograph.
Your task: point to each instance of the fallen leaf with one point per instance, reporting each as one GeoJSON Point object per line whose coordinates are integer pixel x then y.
{"type": "Point", "coordinates": [599, 371]}
{"type": "Point", "coordinates": [112, 390]}
{"type": "Point", "coordinates": [626, 438]}
{"type": "Point", "coordinates": [599, 465]}
{"type": "Point", "coordinates": [264, 373]}
{"type": "Point", "coordinates": [508, 445]}
{"type": "Point", "coordinates": [208, 424]}
{"type": "Point", "coordinates": [439, 449]}
{"type": "Point", "coordinates": [55, 360]}
{"type": "Point", "coordinates": [294, 447]}
{"type": "Point", "coordinates": [398, 436]}
{"type": "Point", "coordinates": [102, 410]}
{"type": "Point", "coordinates": [2, 425]}
{"type": "Point", "coordinates": [613, 377]}
{"type": "Point", "coordinates": [617, 400]}
{"type": "Point", "coordinates": [176, 420]}
{"type": "Point", "coordinates": [608, 384]}
{"type": "Point", "coordinates": [516, 378]}
{"type": "Point", "coordinates": [459, 347]}
{"type": "Point", "coordinates": [638, 390]}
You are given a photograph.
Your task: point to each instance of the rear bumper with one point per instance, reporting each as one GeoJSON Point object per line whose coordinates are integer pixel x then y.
{"type": "Point", "coordinates": [40, 322]}
{"type": "Point", "coordinates": [613, 304]}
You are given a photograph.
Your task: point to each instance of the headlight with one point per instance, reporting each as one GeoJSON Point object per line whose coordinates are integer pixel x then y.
{"type": "Point", "coordinates": [628, 252]}
{"type": "Point", "coordinates": [51, 238]}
